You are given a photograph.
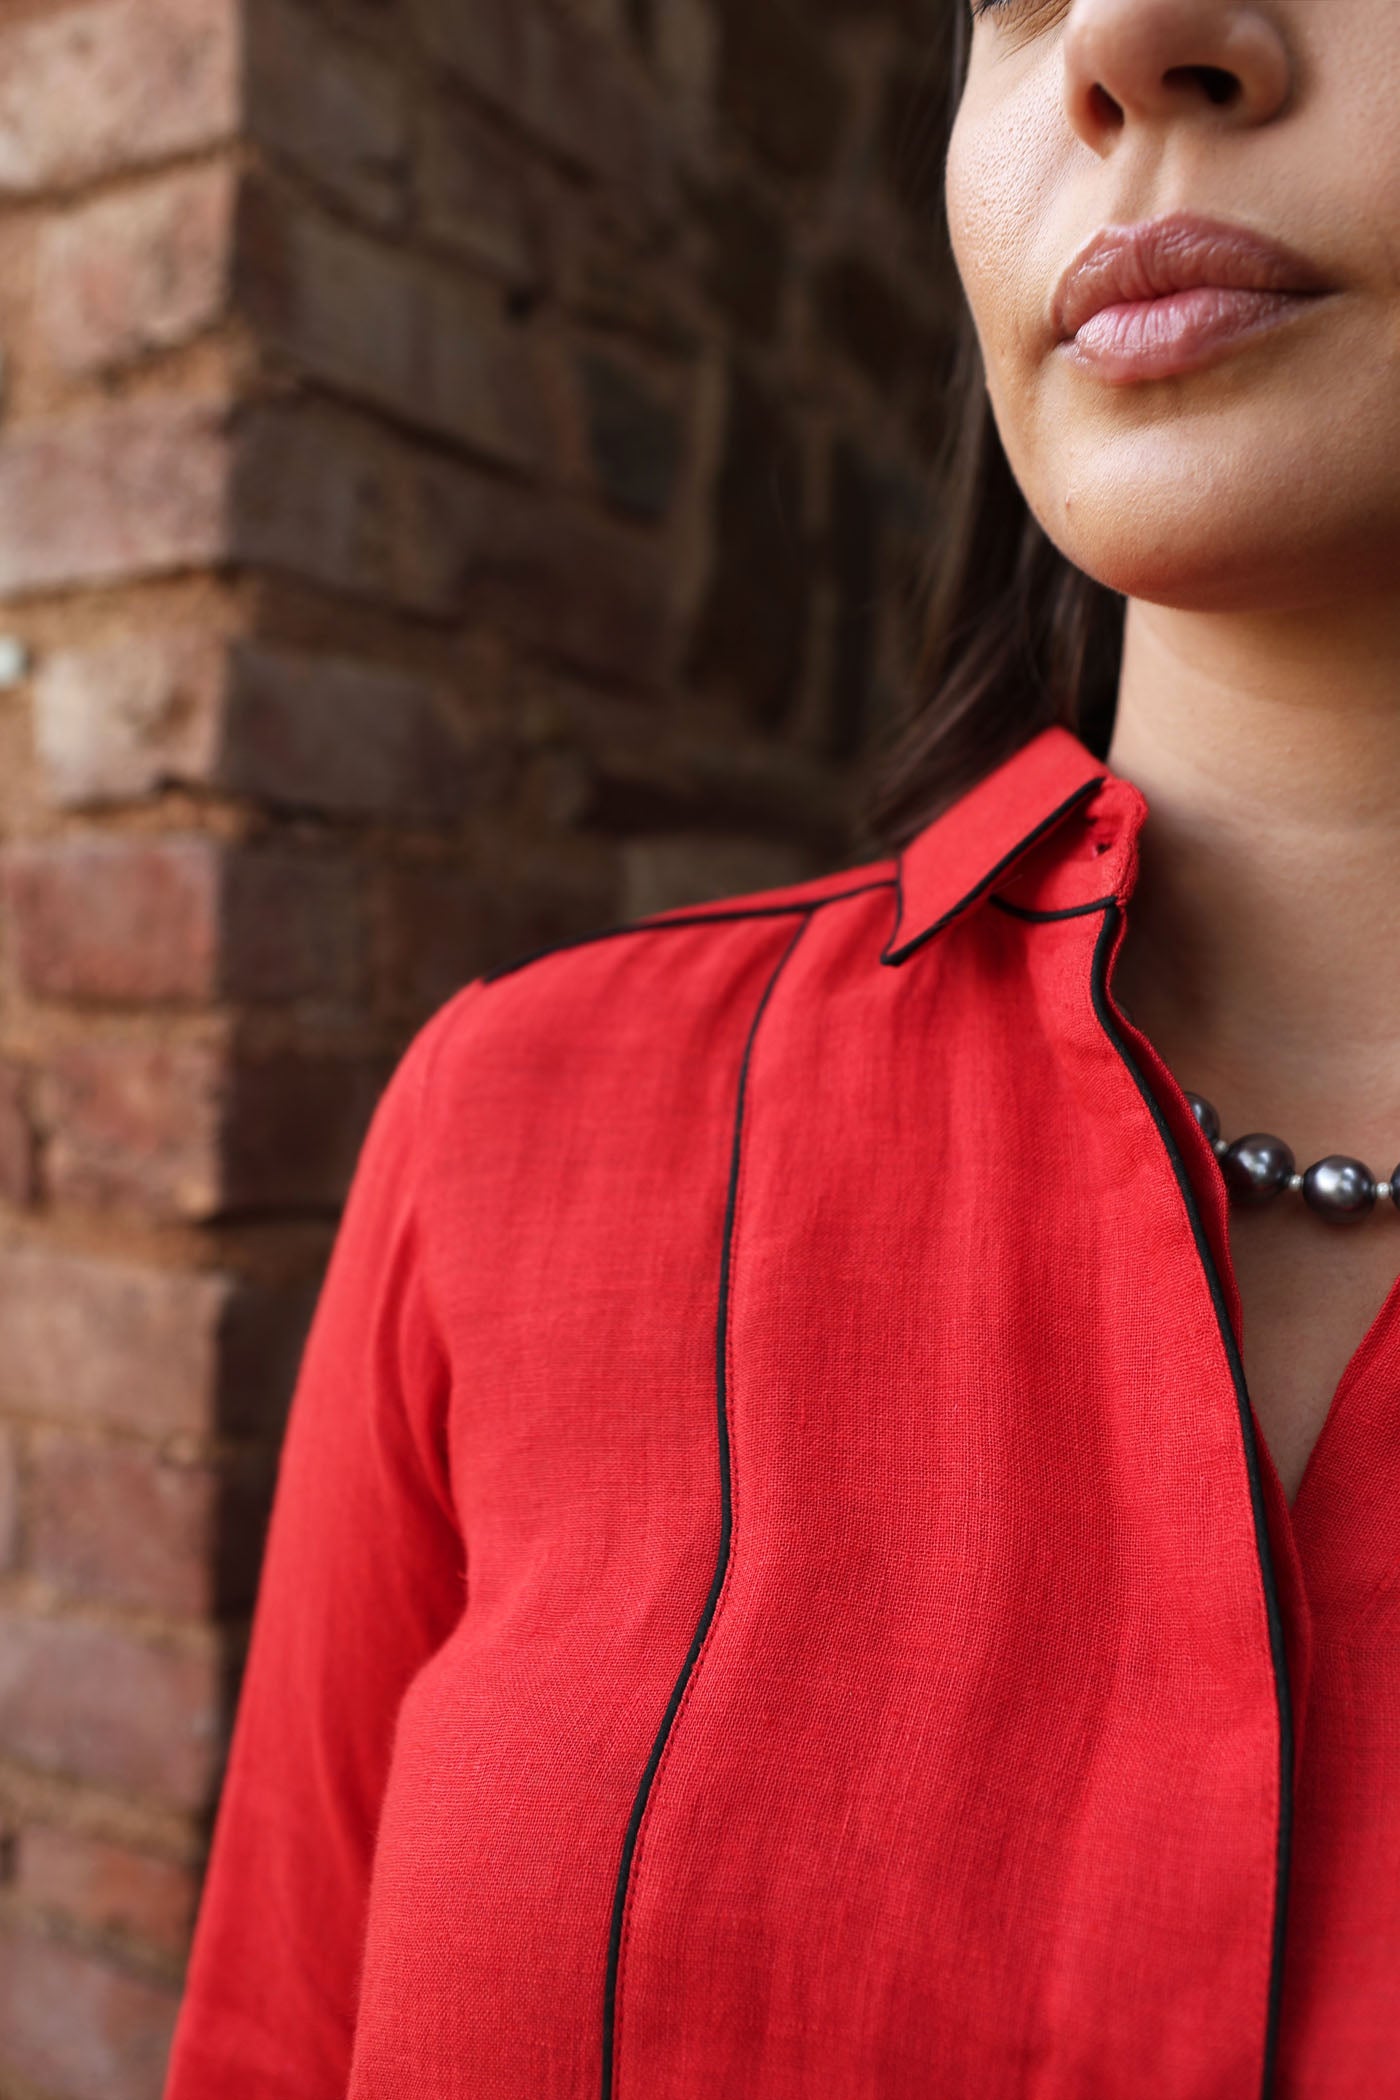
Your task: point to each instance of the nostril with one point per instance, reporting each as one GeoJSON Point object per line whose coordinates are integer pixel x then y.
{"type": "Point", "coordinates": [1220, 86]}
{"type": "Point", "coordinates": [1106, 110]}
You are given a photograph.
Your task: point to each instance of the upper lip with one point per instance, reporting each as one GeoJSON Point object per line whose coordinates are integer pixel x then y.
{"type": "Point", "coordinates": [1173, 254]}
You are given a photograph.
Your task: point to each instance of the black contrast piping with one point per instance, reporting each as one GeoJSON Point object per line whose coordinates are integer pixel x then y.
{"type": "Point", "coordinates": [629, 1842]}
{"type": "Point", "coordinates": [1068, 911]}
{"type": "Point", "coordinates": [1277, 1649]}
{"type": "Point", "coordinates": [892, 954]}
{"type": "Point", "coordinates": [689, 918]}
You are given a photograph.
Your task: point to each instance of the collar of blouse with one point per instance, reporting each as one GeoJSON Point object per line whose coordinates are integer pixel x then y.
{"type": "Point", "coordinates": [1051, 829]}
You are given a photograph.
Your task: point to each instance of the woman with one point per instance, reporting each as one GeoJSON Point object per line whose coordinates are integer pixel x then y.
{"type": "Point", "coordinates": [779, 1585]}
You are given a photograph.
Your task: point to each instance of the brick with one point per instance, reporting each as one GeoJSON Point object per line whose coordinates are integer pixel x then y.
{"type": "Point", "coordinates": [339, 502]}
{"type": "Point", "coordinates": [643, 778]}
{"type": "Point", "coordinates": [162, 1352]}
{"type": "Point", "coordinates": [295, 1125]}
{"type": "Point", "coordinates": [345, 737]}
{"type": "Point", "coordinates": [178, 919]}
{"type": "Point", "coordinates": [262, 1336]}
{"type": "Point", "coordinates": [88, 1340]}
{"type": "Point", "coordinates": [127, 918]}
{"type": "Point", "coordinates": [779, 86]}
{"type": "Point", "coordinates": [75, 2026]}
{"type": "Point", "coordinates": [184, 1131]}
{"type": "Point", "coordinates": [136, 1124]}
{"type": "Point", "coordinates": [290, 926]}
{"type": "Point", "coordinates": [562, 81]}
{"type": "Point", "coordinates": [441, 925]}
{"type": "Point", "coordinates": [124, 1524]}
{"type": "Point", "coordinates": [358, 511]}
{"type": "Point", "coordinates": [750, 636]}
{"type": "Point", "coordinates": [615, 18]}
{"type": "Point", "coordinates": [331, 108]}
{"type": "Point", "coordinates": [127, 491]}
{"type": "Point", "coordinates": [855, 536]}
{"type": "Point", "coordinates": [246, 1486]}
{"type": "Point", "coordinates": [107, 1887]}
{"type": "Point", "coordinates": [95, 1702]}
{"type": "Point", "coordinates": [136, 272]}
{"type": "Point", "coordinates": [116, 721]}
{"type": "Point", "coordinates": [489, 52]}
{"type": "Point", "coordinates": [181, 1131]}
{"type": "Point", "coordinates": [435, 927]}
{"type": "Point", "coordinates": [643, 786]}
{"type": "Point", "coordinates": [121, 1524]}
{"type": "Point", "coordinates": [745, 256]}
{"type": "Point", "coordinates": [398, 332]}
{"type": "Point", "coordinates": [667, 872]}
{"type": "Point", "coordinates": [607, 592]}
{"type": "Point", "coordinates": [9, 1500]}
{"type": "Point", "coordinates": [601, 288]}
{"type": "Point", "coordinates": [871, 324]}
{"type": "Point", "coordinates": [481, 195]}
{"type": "Point", "coordinates": [18, 1176]}
{"type": "Point", "coordinates": [118, 83]}
{"type": "Point", "coordinates": [580, 100]}
{"type": "Point", "coordinates": [685, 46]}
{"type": "Point", "coordinates": [634, 436]}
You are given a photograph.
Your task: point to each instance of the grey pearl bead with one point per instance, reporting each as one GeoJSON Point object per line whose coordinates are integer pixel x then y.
{"type": "Point", "coordinates": [1205, 1115]}
{"type": "Point", "coordinates": [1339, 1189]}
{"type": "Point", "coordinates": [1256, 1167]}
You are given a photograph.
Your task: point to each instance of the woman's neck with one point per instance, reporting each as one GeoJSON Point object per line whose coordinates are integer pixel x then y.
{"type": "Point", "coordinates": [1263, 948]}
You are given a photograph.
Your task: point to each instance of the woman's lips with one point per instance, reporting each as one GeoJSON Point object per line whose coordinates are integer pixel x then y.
{"type": "Point", "coordinates": [1181, 332]}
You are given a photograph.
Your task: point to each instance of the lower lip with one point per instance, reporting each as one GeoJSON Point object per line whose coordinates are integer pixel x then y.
{"type": "Point", "coordinates": [1157, 338]}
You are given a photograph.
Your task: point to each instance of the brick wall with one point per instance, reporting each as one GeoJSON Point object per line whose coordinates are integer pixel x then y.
{"type": "Point", "coordinates": [460, 473]}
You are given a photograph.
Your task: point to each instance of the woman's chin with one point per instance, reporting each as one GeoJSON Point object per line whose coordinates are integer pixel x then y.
{"type": "Point", "coordinates": [1231, 569]}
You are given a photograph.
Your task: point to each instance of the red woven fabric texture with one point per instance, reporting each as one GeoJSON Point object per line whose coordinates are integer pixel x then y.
{"type": "Point", "coordinates": [772, 1591]}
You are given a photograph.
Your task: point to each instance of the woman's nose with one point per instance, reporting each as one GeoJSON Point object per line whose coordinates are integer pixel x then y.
{"type": "Point", "coordinates": [1158, 62]}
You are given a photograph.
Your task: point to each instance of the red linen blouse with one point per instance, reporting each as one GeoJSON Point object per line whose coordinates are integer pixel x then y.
{"type": "Point", "coordinates": [775, 1589]}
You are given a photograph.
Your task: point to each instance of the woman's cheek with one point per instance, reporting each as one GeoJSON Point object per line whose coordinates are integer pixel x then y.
{"type": "Point", "coordinates": [988, 230]}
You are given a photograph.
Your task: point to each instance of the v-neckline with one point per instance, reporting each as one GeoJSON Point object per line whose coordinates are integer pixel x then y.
{"type": "Point", "coordinates": [1357, 1374]}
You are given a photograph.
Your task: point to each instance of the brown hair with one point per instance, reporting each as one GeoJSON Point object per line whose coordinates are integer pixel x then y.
{"type": "Point", "coordinates": [1014, 635]}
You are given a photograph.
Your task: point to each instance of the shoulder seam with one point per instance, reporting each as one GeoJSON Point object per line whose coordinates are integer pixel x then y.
{"type": "Point", "coordinates": [691, 918]}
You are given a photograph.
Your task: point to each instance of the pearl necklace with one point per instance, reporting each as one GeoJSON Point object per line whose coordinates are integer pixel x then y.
{"type": "Point", "coordinates": [1338, 1188]}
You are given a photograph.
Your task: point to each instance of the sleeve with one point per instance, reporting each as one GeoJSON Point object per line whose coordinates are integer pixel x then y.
{"type": "Point", "coordinates": [363, 1578]}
